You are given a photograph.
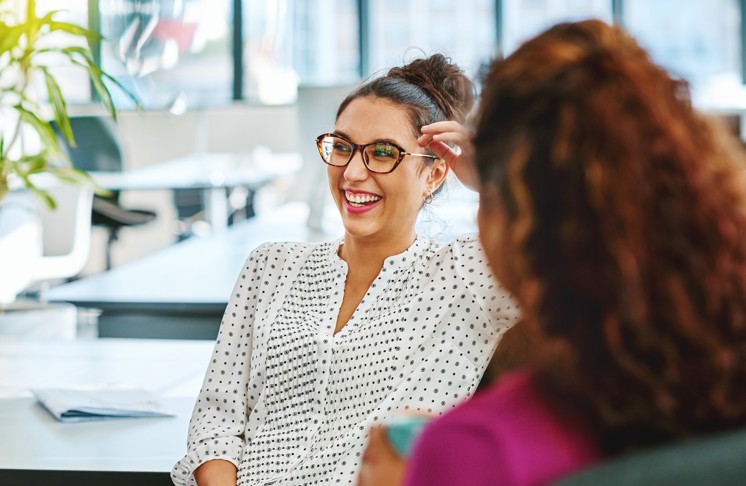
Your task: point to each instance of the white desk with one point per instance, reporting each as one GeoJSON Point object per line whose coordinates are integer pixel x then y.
{"type": "Point", "coordinates": [37, 449]}
{"type": "Point", "coordinates": [183, 289]}
{"type": "Point", "coordinates": [211, 172]}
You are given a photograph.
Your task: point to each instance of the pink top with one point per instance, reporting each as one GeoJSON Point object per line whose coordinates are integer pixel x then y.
{"type": "Point", "coordinates": [504, 436]}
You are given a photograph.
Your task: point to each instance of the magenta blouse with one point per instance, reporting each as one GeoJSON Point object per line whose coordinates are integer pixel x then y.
{"type": "Point", "coordinates": [504, 436]}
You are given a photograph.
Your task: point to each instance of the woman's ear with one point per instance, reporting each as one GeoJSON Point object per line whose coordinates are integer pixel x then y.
{"type": "Point", "coordinates": [437, 175]}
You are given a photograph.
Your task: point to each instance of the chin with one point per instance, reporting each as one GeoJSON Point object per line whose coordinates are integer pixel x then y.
{"type": "Point", "coordinates": [359, 230]}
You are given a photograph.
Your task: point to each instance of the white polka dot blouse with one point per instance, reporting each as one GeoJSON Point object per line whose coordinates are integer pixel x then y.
{"type": "Point", "coordinates": [289, 402]}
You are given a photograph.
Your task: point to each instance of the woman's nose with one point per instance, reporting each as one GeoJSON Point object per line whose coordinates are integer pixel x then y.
{"type": "Point", "coordinates": [356, 170]}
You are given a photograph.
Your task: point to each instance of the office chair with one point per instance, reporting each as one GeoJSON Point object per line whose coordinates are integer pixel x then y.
{"type": "Point", "coordinates": [66, 233]}
{"type": "Point", "coordinates": [190, 208]}
{"type": "Point", "coordinates": [718, 459]}
{"type": "Point", "coordinates": [98, 150]}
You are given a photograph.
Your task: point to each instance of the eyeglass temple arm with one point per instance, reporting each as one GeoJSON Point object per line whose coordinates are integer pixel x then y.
{"type": "Point", "coordinates": [421, 155]}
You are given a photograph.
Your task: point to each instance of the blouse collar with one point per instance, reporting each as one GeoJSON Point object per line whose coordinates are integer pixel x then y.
{"type": "Point", "coordinates": [391, 264]}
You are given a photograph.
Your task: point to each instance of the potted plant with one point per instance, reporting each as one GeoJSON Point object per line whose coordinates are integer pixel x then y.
{"type": "Point", "coordinates": [33, 110]}
{"type": "Point", "coordinates": [26, 59]}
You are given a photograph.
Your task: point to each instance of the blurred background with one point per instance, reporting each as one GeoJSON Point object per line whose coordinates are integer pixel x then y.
{"type": "Point", "coordinates": [239, 76]}
{"type": "Point", "coordinates": [129, 289]}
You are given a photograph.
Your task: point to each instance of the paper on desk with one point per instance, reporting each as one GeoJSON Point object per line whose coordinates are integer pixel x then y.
{"type": "Point", "coordinates": [84, 405]}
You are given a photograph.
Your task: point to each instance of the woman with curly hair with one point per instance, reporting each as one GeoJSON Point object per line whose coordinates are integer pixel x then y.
{"type": "Point", "coordinates": [624, 211]}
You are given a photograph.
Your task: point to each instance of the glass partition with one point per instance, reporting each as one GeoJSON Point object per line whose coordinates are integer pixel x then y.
{"type": "Point", "coordinates": [292, 42]}
{"type": "Point", "coordinates": [698, 40]}
{"type": "Point", "coordinates": [401, 30]}
{"type": "Point", "coordinates": [169, 52]}
{"type": "Point", "coordinates": [73, 80]}
{"type": "Point", "coordinates": [522, 19]}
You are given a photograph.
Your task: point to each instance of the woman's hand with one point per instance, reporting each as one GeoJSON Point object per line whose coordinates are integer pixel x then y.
{"type": "Point", "coordinates": [216, 472]}
{"type": "Point", "coordinates": [381, 464]}
{"type": "Point", "coordinates": [435, 136]}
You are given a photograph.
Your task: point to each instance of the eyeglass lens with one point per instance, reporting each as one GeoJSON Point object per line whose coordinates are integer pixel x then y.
{"type": "Point", "coordinates": [378, 157]}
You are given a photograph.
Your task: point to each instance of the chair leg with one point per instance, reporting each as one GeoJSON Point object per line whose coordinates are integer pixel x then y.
{"type": "Point", "coordinates": [113, 236]}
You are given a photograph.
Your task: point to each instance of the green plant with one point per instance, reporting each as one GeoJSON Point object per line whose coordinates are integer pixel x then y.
{"type": "Point", "coordinates": [31, 99]}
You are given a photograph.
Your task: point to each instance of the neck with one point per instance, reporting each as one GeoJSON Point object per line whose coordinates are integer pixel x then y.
{"type": "Point", "coordinates": [367, 252]}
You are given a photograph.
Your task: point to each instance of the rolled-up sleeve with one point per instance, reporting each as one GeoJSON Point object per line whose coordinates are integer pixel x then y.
{"type": "Point", "coordinates": [218, 424]}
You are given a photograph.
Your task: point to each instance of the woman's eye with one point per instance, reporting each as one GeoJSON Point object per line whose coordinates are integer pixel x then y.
{"type": "Point", "coordinates": [341, 147]}
{"type": "Point", "coordinates": [384, 151]}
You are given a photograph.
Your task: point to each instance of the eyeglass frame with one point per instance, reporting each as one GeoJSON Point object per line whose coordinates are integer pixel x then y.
{"type": "Point", "coordinates": [362, 147]}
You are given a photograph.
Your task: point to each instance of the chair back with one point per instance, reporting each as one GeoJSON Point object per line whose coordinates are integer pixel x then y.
{"type": "Point", "coordinates": [66, 233]}
{"type": "Point", "coordinates": [98, 149]}
{"type": "Point", "coordinates": [97, 145]}
{"type": "Point", "coordinates": [719, 460]}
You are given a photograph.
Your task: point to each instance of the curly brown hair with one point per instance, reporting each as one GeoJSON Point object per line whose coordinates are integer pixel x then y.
{"type": "Point", "coordinates": [627, 210]}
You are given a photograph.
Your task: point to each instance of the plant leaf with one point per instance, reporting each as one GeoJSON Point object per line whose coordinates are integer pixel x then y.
{"type": "Point", "coordinates": [59, 106]}
{"type": "Point", "coordinates": [83, 52]}
{"type": "Point", "coordinates": [70, 52]}
{"type": "Point", "coordinates": [33, 25]}
{"type": "Point", "coordinates": [73, 29]}
{"type": "Point", "coordinates": [124, 90]}
{"type": "Point", "coordinates": [11, 36]}
{"type": "Point", "coordinates": [75, 176]}
{"type": "Point", "coordinates": [32, 164]}
{"type": "Point", "coordinates": [48, 137]}
{"type": "Point", "coordinates": [96, 75]}
{"type": "Point", "coordinates": [40, 193]}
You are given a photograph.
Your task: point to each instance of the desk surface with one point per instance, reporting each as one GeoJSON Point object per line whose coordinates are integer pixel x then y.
{"type": "Point", "coordinates": [40, 442]}
{"type": "Point", "coordinates": [35, 442]}
{"type": "Point", "coordinates": [196, 275]}
{"type": "Point", "coordinates": [169, 368]}
{"type": "Point", "coordinates": [204, 171]}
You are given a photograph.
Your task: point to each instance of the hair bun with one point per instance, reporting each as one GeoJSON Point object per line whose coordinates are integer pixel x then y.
{"type": "Point", "coordinates": [443, 81]}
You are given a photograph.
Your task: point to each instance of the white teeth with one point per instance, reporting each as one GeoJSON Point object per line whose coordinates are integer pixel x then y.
{"type": "Point", "coordinates": [358, 198]}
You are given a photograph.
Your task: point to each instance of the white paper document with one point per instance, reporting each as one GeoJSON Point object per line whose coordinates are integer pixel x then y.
{"type": "Point", "coordinates": [84, 405]}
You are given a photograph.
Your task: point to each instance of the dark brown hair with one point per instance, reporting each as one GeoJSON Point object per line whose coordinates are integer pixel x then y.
{"type": "Point", "coordinates": [626, 209]}
{"type": "Point", "coordinates": [431, 90]}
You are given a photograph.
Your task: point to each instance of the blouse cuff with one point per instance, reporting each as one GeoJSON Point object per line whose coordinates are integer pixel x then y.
{"type": "Point", "coordinates": [225, 448]}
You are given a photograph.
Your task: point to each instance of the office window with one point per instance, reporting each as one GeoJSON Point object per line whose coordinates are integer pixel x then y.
{"type": "Point", "coordinates": [180, 51]}
{"type": "Point", "coordinates": [698, 40]}
{"type": "Point", "coordinates": [326, 51]}
{"type": "Point", "coordinates": [292, 42]}
{"type": "Point", "coordinates": [522, 19]}
{"type": "Point", "coordinates": [401, 30]}
{"type": "Point", "coordinates": [73, 80]}
{"type": "Point", "coordinates": [169, 52]}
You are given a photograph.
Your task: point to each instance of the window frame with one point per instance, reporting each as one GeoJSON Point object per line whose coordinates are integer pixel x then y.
{"type": "Point", "coordinates": [364, 18]}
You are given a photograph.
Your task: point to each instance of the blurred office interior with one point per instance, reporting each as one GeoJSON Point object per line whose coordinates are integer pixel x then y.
{"type": "Point", "coordinates": [232, 81]}
{"type": "Point", "coordinates": [225, 75]}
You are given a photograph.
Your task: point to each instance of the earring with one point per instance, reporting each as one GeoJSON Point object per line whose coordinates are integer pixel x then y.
{"type": "Point", "coordinates": [428, 198]}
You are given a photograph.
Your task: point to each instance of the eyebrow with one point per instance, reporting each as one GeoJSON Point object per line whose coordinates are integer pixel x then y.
{"type": "Point", "coordinates": [378, 140]}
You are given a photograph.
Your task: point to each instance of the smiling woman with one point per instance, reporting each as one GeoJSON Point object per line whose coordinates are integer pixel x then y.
{"type": "Point", "coordinates": [392, 199]}
{"type": "Point", "coordinates": [322, 341]}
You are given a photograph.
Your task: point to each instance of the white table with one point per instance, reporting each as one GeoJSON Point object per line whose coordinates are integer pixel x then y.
{"type": "Point", "coordinates": [183, 289]}
{"type": "Point", "coordinates": [37, 449]}
{"type": "Point", "coordinates": [210, 172]}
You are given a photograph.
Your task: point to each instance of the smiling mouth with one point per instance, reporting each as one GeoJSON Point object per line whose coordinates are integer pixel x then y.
{"type": "Point", "coordinates": [359, 200]}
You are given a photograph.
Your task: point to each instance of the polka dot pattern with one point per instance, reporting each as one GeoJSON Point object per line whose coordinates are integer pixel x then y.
{"type": "Point", "coordinates": [289, 402]}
